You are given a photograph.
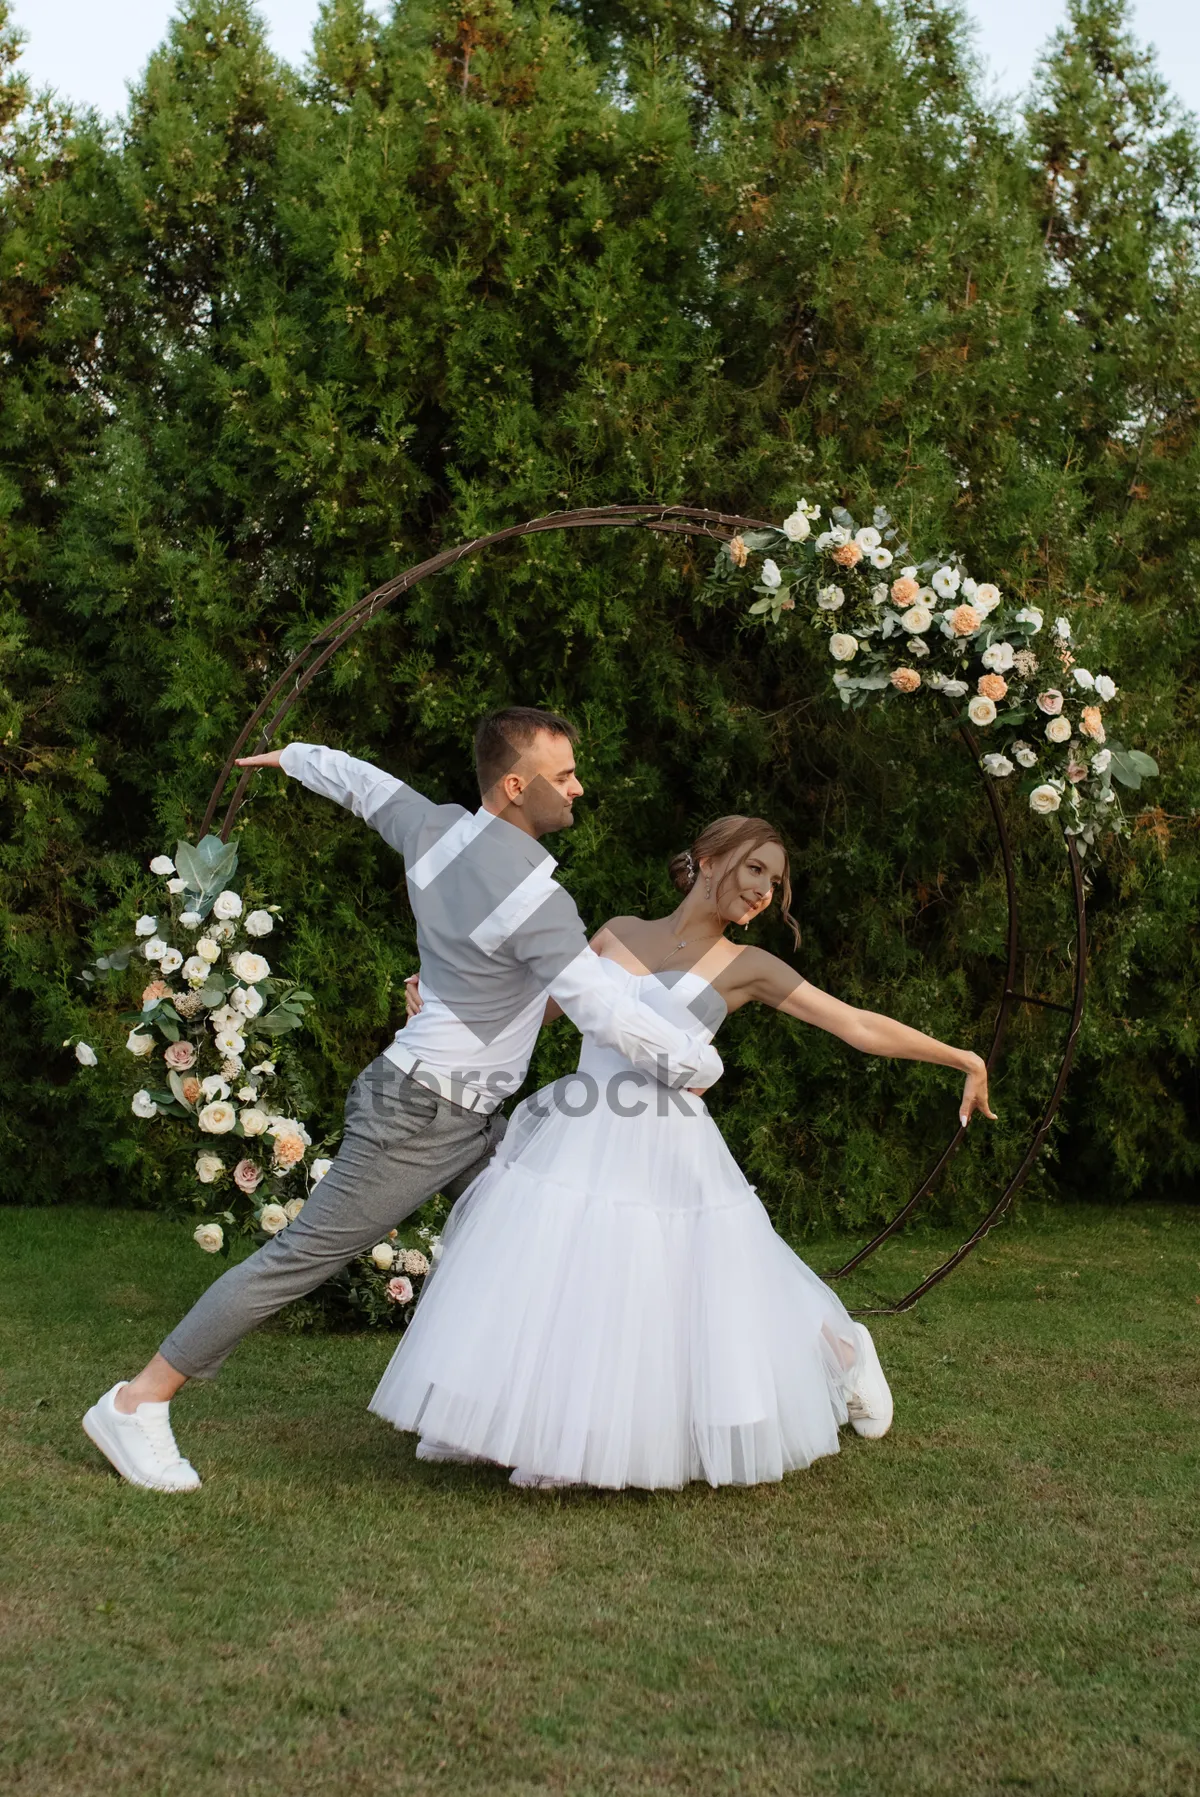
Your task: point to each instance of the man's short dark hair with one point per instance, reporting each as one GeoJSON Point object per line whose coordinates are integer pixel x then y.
{"type": "Point", "coordinates": [502, 737]}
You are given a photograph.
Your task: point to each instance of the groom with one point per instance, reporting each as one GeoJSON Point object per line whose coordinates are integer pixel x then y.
{"type": "Point", "coordinates": [496, 934]}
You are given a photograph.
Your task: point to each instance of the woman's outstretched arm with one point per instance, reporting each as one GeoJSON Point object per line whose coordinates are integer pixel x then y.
{"type": "Point", "coordinates": [772, 982]}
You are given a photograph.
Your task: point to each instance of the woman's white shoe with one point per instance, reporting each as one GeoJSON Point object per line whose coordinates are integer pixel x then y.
{"type": "Point", "coordinates": [869, 1398]}
{"type": "Point", "coordinates": [140, 1446]}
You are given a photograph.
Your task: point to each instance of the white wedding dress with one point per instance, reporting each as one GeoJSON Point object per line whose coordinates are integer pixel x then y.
{"type": "Point", "coordinates": [612, 1306]}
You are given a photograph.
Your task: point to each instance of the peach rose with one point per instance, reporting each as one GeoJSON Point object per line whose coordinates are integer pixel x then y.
{"type": "Point", "coordinates": [905, 680]}
{"type": "Point", "coordinates": [191, 1089]}
{"type": "Point", "coordinates": [738, 551]}
{"type": "Point", "coordinates": [904, 590]}
{"type": "Point", "coordinates": [399, 1291]}
{"type": "Point", "coordinates": [1091, 724]}
{"type": "Point", "coordinates": [154, 991]}
{"type": "Point", "coordinates": [848, 555]}
{"type": "Point", "coordinates": [246, 1176]}
{"type": "Point", "coordinates": [1050, 702]}
{"type": "Point", "coordinates": [965, 620]}
{"type": "Point", "coordinates": [179, 1056]}
{"type": "Point", "coordinates": [288, 1150]}
{"type": "Point", "coordinates": [992, 686]}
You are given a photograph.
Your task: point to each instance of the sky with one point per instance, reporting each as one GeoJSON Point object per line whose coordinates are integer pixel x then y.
{"type": "Point", "coordinates": [90, 49]}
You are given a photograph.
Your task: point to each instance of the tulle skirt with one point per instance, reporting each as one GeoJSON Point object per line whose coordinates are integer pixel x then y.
{"type": "Point", "coordinates": [613, 1308]}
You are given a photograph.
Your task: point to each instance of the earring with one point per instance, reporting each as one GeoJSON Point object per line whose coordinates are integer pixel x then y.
{"type": "Point", "coordinates": [708, 889]}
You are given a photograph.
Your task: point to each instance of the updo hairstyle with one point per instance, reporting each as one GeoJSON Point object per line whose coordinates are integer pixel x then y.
{"type": "Point", "coordinates": [737, 837]}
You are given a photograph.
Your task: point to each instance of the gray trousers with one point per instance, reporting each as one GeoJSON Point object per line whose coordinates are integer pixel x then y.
{"type": "Point", "coordinates": [402, 1143]}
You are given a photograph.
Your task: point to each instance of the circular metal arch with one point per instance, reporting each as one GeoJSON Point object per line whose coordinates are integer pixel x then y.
{"type": "Point", "coordinates": [692, 521]}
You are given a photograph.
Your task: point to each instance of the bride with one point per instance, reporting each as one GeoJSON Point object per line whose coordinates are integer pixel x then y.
{"type": "Point", "coordinates": [612, 1306]}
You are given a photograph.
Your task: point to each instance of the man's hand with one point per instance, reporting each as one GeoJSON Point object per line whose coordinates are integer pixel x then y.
{"type": "Point", "coordinates": [270, 760]}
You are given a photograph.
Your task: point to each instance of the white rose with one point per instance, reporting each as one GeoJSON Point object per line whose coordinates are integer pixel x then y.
{"type": "Point", "coordinates": [172, 961]}
{"type": "Point", "coordinates": [162, 864]}
{"type": "Point", "coordinates": [191, 920]}
{"type": "Point", "coordinates": [842, 647]}
{"type": "Point", "coordinates": [229, 1042]}
{"type": "Point", "coordinates": [145, 926]}
{"type": "Point", "coordinates": [916, 619]}
{"type": "Point", "coordinates": [383, 1254]}
{"type": "Point", "coordinates": [998, 657]}
{"type": "Point", "coordinates": [213, 1086]}
{"type": "Point", "coordinates": [85, 1054]}
{"type": "Point", "coordinates": [981, 711]}
{"type": "Point", "coordinates": [272, 1218]}
{"type": "Point", "coordinates": [1043, 800]}
{"type": "Point", "coordinates": [227, 904]}
{"type": "Point", "coordinates": [1083, 678]}
{"type": "Point", "coordinates": [174, 887]}
{"type": "Point", "coordinates": [830, 598]}
{"type": "Point", "coordinates": [984, 598]}
{"type": "Point", "coordinates": [246, 1094]}
{"type": "Point", "coordinates": [250, 967]}
{"type": "Point", "coordinates": [208, 950]}
{"type": "Point", "coordinates": [969, 588]}
{"type": "Point", "coordinates": [879, 593]}
{"type": "Point", "coordinates": [259, 923]}
{"type": "Point", "coordinates": [208, 1168]}
{"type": "Point", "coordinates": [210, 1237]}
{"type": "Point", "coordinates": [254, 1122]}
{"type": "Point", "coordinates": [917, 646]}
{"type": "Point", "coordinates": [218, 1118]}
{"type": "Point", "coordinates": [1062, 628]}
{"type": "Point", "coordinates": [1025, 755]}
{"type": "Point", "coordinates": [155, 949]}
{"type": "Point", "coordinates": [139, 1044]}
{"type": "Point", "coordinates": [1105, 689]}
{"type": "Point", "coordinates": [880, 558]}
{"type": "Point", "coordinates": [1102, 761]}
{"type": "Point", "coordinates": [195, 971]}
{"type": "Point", "coordinates": [143, 1105]}
{"type": "Point", "coordinates": [319, 1169]}
{"type": "Point", "coordinates": [292, 1208]}
{"type": "Point", "coordinates": [998, 766]}
{"type": "Point", "coordinates": [796, 527]}
{"type": "Point", "coordinates": [1058, 730]}
{"type": "Point", "coordinates": [946, 583]}
{"type": "Point", "coordinates": [771, 576]}
{"type": "Point", "coordinates": [867, 538]}
{"type": "Point", "coordinates": [954, 689]}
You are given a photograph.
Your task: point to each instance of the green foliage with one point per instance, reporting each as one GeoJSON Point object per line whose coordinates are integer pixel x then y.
{"type": "Point", "coordinates": [290, 333]}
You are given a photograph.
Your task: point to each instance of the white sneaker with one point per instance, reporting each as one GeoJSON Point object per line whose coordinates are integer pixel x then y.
{"type": "Point", "coordinates": [140, 1446]}
{"type": "Point", "coordinates": [869, 1399]}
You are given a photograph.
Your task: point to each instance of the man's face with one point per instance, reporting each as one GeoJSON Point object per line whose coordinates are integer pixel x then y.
{"type": "Point", "coordinates": [549, 786]}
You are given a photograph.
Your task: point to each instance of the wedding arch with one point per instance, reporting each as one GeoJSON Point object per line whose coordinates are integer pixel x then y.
{"type": "Point", "coordinates": [720, 527]}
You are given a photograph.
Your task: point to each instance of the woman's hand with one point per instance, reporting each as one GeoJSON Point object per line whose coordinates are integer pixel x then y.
{"type": "Point", "coordinates": [975, 1093]}
{"type": "Point", "coordinates": [271, 760]}
{"type": "Point", "coordinates": [413, 1002]}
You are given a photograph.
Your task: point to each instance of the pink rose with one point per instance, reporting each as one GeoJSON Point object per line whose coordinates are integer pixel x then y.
{"type": "Point", "coordinates": [399, 1291]}
{"type": "Point", "coordinates": [1050, 702]}
{"type": "Point", "coordinates": [179, 1056]}
{"type": "Point", "coordinates": [246, 1176]}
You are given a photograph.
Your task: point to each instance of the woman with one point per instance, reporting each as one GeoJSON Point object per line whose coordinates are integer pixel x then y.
{"type": "Point", "coordinates": [612, 1306]}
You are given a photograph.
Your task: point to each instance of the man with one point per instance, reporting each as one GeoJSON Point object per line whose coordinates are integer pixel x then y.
{"type": "Point", "coordinates": [496, 935]}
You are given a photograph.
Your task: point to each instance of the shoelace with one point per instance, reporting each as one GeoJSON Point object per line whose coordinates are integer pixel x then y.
{"type": "Point", "coordinates": [158, 1432]}
{"type": "Point", "coordinates": [856, 1405]}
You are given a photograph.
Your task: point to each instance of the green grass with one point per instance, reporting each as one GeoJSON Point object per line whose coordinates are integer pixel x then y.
{"type": "Point", "coordinates": [1000, 1597]}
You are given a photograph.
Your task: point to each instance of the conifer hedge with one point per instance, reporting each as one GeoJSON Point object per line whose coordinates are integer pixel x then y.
{"type": "Point", "coordinates": [279, 334]}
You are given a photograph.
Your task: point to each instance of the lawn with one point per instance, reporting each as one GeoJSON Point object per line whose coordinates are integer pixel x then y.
{"type": "Point", "coordinates": [1001, 1596]}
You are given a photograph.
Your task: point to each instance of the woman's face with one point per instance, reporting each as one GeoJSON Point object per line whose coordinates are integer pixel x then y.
{"type": "Point", "coordinates": [744, 881]}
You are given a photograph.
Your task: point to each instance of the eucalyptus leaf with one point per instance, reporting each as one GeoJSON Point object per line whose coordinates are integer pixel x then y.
{"type": "Point", "coordinates": [760, 606]}
{"type": "Point", "coordinates": [176, 1085]}
{"type": "Point", "coordinates": [1123, 768]}
{"type": "Point", "coordinates": [761, 539]}
{"type": "Point", "coordinates": [1145, 764]}
{"type": "Point", "coordinates": [275, 1022]}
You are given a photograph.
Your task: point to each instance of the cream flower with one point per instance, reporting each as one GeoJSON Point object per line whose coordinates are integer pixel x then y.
{"type": "Point", "coordinates": [250, 967]}
{"type": "Point", "coordinates": [953, 689]}
{"type": "Point", "coordinates": [85, 1054]}
{"type": "Point", "coordinates": [796, 527]}
{"type": "Point", "coordinates": [985, 597]}
{"type": "Point", "coordinates": [383, 1254]}
{"type": "Point", "coordinates": [143, 1105]}
{"type": "Point", "coordinates": [218, 1118]}
{"type": "Point", "coordinates": [272, 1218]}
{"type": "Point", "coordinates": [1062, 629]}
{"type": "Point", "coordinates": [945, 583]}
{"type": "Point", "coordinates": [981, 711]}
{"type": "Point", "coordinates": [771, 577]}
{"type": "Point", "coordinates": [1101, 761]}
{"type": "Point", "coordinates": [293, 1207]}
{"type": "Point", "coordinates": [213, 1086]}
{"type": "Point", "coordinates": [191, 920]}
{"type": "Point", "coordinates": [879, 594]}
{"type": "Point", "coordinates": [1083, 678]}
{"type": "Point", "coordinates": [208, 950]}
{"type": "Point", "coordinates": [210, 1237]}
{"type": "Point", "coordinates": [842, 647]}
{"type": "Point", "coordinates": [171, 962]}
{"type": "Point", "coordinates": [246, 999]}
{"type": "Point", "coordinates": [998, 766]}
{"type": "Point", "coordinates": [867, 538]}
{"type": "Point", "coordinates": [226, 905]}
{"type": "Point", "coordinates": [162, 864]}
{"type": "Point", "coordinates": [254, 1122]}
{"type": "Point", "coordinates": [195, 971]}
{"type": "Point", "coordinates": [229, 1042]}
{"type": "Point", "coordinates": [880, 558]}
{"type": "Point", "coordinates": [259, 923]}
{"type": "Point", "coordinates": [1044, 799]}
{"type": "Point", "coordinates": [1105, 688]}
{"type": "Point", "coordinates": [998, 657]}
{"type": "Point", "coordinates": [145, 926]}
{"type": "Point", "coordinates": [1029, 614]}
{"type": "Point", "coordinates": [209, 1167]}
{"type": "Point", "coordinates": [265, 1068]}
{"type": "Point", "coordinates": [1058, 730]}
{"type": "Point", "coordinates": [1026, 756]}
{"type": "Point", "coordinates": [138, 1044]}
{"type": "Point", "coordinates": [916, 619]}
{"type": "Point", "coordinates": [319, 1169]}
{"type": "Point", "coordinates": [155, 949]}
{"type": "Point", "coordinates": [917, 646]}
{"type": "Point", "coordinates": [175, 887]}
{"type": "Point", "coordinates": [830, 598]}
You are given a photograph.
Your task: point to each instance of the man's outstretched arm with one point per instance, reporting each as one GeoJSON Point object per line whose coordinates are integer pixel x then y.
{"type": "Point", "coordinates": [388, 805]}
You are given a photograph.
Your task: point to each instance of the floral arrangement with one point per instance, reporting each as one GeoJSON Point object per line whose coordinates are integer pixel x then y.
{"type": "Point", "coordinates": [210, 1061]}
{"type": "Point", "coordinates": [896, 628]}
